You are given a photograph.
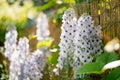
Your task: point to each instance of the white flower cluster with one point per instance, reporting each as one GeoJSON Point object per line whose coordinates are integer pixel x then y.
{"type": "Point", "coordinates": [10, 43]}
{"type": "Point", "coordinates": [80, 40]}
{"type": "Point", "coordinates": [67, 37]}
{"type": "Point", "coordinates": [18, 58]}
{"type": "Point", "coordinates": [42, 27]}
{"type": "Point", "coordinates": [22, 65]}
{"type": "Point", "coordinates": [87, 41]}
{"type": "Point", "coordinates": [34, 65]}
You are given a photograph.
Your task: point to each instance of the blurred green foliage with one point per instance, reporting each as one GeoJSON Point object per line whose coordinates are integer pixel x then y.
{"type": "Point", "coordinates": [52, 59]}
{"type": "Point", "coordinates": [3, 70]}
{"type": "Point", "coordinates": [18, 13]}
{"type": "Point", "coordinates": [14, 15]}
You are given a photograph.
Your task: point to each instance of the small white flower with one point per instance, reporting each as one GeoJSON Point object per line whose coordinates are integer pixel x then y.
{"type": "Point", "coordinates": [56, 71]}
{"type": "Point", "coordinates": [112, 45]}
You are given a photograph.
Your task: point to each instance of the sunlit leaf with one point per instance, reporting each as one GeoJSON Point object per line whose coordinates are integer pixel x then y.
{"type": "Point", "coordinates": [69, 1]}
{"type": "Point", "coordinates": [99, 12]}
{"type": "Point", "coordinates": [45, 43]}
{"type": "Point", "coordinates": [53, 58]}
{"type": "Point", "coordinates": [31, 36]}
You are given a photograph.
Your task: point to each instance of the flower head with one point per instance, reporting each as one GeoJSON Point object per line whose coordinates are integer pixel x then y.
{"type": "Point", "coordinates": [80, 41]}
{"type": "Point", "coordinates": [42, 27]}
{"type": "Point", "coordinates": [87, 41]}
{"type": "Point", "coordinates": [23, 48]}
{"type": "Point", "coordinates": [34, 66]}
{"type": "Point", "coordinates": [18, 58]}
{"type": "Point", "coordinates": [10, 42]}
{"type": "Point", "coordinates": [67, 37]}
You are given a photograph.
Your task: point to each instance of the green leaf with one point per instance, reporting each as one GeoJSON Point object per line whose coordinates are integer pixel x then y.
{"type": "Point", "coordinates": [47, 5]}
{"type": "Point", "coordinates": [88, 1]}
{"type": "Point", "coordinates": [45, 43]}
{"type": "Point", "coordinates": [90, 68]}
{"type": "Point", "coordinates": [114, 75]}
{"type": "Point", "coordinates": [118, 78]}
{"type": "Point", "coordinates": [69, 1]}
{"type": "Point", "coordinates": [107, 57]}
{"type": "Point", "coordinates": [97, 67]}
{"type": "Point", "coordinates": [79, 1]}
{"type": "Point", "coordinates": [53, 58]}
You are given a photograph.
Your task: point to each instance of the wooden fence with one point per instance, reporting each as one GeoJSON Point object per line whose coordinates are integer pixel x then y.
{"type": "Point", "coordinates": [104, 12]}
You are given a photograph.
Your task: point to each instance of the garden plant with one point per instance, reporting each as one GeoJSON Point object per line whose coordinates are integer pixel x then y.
{"type": "Point", "coordinates": [84, 50]}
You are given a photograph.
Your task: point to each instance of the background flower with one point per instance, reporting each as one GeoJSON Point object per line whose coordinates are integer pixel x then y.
{"type": "Point", "coordinates": [10, 42]}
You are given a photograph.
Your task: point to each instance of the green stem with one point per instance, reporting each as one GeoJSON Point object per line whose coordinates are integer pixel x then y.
{"type": "Point", "coordinates": [67, 68]}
